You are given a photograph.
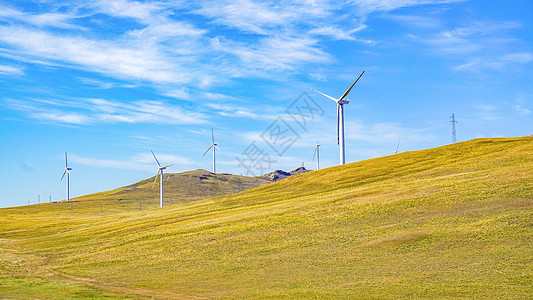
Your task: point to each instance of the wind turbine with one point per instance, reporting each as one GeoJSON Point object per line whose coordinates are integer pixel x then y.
{"type": "Point", "coordinates": [214, 146]}
{"type": "Point", "coordinates": [340, 117]}
{"type": "Point", "coordinates": [159, 171]}
{"type": "Point", "coordinates": [317, 153]}
{"type": "Point", "coordinates": [396, 152]}
{"type": "Point", "coordinates": [67, 171]}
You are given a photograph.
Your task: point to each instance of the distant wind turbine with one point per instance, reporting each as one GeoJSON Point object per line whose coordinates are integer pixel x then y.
{"type": "Point", "coordinates": [397, 146]}
{"type": "Point", "coordinates": [214, 146]}
{"type": "Point", "coordinates": [159, 171]}
{"type": "Point", "coordinates": [317, 153]}
{"type": "Point", "coordinates": [67, 171]}
{"type": "Point", "coordinates": [340, 117]}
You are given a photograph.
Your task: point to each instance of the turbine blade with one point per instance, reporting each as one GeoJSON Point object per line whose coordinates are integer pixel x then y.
{"type": "Point", "coordinates": [218, 148]}
{"type": "Point", "coordinates": [155, 159]}
{"type": "Point", "coordinates": [155, 179]}
{"type": "Point", "coordinates": [66, 162]}
{"type": "Point", "coordinates": [348, 90]}
{"type": "Point", "coordinates": [212, 136]}
{"type": "Point", "coordinates": [336, 100]}
{"type": "Point", "coordinates": [208, 149]}
{"type": "Point", "coordinates": [64, 172]}
{"type": "Point", "coordinates": [166, 166]}
{"type": "Point", "coordinates": [314, 153]}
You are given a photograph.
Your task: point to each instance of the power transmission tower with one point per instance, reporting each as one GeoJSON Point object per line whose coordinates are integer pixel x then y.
{"type": "Point", "coordinates": [454, 137]}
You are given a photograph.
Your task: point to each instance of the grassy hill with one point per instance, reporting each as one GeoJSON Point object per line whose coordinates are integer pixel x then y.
{"type": "Point", "coordinates": [450, 222]}
{"type": "Point", "coordinates": [179, 187]}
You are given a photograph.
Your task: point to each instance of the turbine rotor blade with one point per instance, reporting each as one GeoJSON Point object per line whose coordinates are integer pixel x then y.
{"type": "Point", "coordinates": [212, 136]}
{"type": "Point", "coordinates": [64, 172]}
{"type": "Point", "coordinates": [66, 162]}
{"type": "Point", "coordinates": [166, 166]}
{"type": "Point", "coordinates": [218, 148]}
{"type": "Point", "coordinates": [314, 153]}
{"type": "Point", "coordinates": [336, 100]}
{"type": "Point", "coordinates": [348, 90]}
{"type": "Point", "coordinates": [208, 149]}
{"type": "Point", "coordinates": [155, 159]}
{"type": "Point", "coordinates": [155, 179]}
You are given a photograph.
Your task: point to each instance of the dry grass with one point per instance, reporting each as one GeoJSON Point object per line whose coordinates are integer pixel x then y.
{"type": "Point", "coordinates": [450, 222]}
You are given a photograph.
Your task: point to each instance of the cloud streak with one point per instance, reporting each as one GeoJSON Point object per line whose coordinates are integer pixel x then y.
{"type": "Point", "coordinates": [89, 111]}
{"type": "Point", "coordinates": [138, 162]}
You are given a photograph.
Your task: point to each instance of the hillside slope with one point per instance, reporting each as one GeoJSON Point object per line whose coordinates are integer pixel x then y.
{"type": "Point", "coordinates": [179, 187]}
{"type": "Point", "coordinates": [450, 222]}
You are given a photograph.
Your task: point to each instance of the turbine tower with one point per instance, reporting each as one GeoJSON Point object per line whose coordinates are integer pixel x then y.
{"type": "Point", "coordinates": [67, 171]}
{"type": "Point", "coordinates": [159, 171]}
{"type": "Point", "coordinates": [214, 146]}
{"type": "Point", "coordinates": [317, 153]}
{"type": "Point", "coordinates": [340, 117]}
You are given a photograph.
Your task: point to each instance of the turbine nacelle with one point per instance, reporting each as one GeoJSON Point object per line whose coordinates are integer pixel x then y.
{"type": "Point", "coordinates": [344, 101]}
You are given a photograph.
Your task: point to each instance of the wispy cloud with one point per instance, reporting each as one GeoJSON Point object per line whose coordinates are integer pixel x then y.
{"type": "Point", "coordinates": [500, 63]}
{"type": "Point", "coordinates": [486, 112]}
{"type": "Point", "coordinates": [56, 20]}
{"type": "Point", "coordinates": [104, 84]}
{"type": "Point", "coordinates": [86, 111]}
{"type": "Point", "coordinates": [385, 133]}
{"type": "Point", "coordinates": [245, 15]}
{"type": "Point", "coordinates": [472, 37]}
{"type": "Point", "coordinates": [370, 6]}
{"type": "Point", "coordinates": [522, 110]}
{"type": "Point", "coordinates": [424, 22]}
{"type": "Point", "coordinates": [281, 53]}
{"type": "Point", "coordinates": [10, 70]}
{"type": "Point", "coordinates": [138, 162]}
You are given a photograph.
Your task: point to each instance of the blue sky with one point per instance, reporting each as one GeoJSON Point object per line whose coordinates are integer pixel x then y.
{"type": "Point", "coordinates": [108, 81]}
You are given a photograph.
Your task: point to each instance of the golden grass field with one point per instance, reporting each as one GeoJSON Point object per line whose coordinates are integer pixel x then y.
{"type": "Point", "coordinates": [450, 222]}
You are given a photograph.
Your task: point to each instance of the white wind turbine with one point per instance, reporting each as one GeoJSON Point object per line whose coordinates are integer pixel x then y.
{"type": "Point", "coordinates": [67, 171]}
{"type": "Point", "coordinates": [214, 146]}
{"type": "Point", "coordinates": [159, 171]}
{"type": "Point", "coordinates": [397, 146]}
{"type": "Point", "coordinates": [317, 153]}
{"type": "Point", "coordinates": [340, 117]}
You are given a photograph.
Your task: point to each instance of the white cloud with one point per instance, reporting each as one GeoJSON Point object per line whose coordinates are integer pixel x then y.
{"type": "Point", "coordinates": [128, 9]}
{"type": "Point", "coordinates": [522, 110]}
{"type": "Point", "coordinates": [179, 93]}
{"type": "Point", "coordinates": [385, 134]}
{"type": "Point", "coordinates": [87, 111]}
{"type": "Point", "coordinates": [61, 117]}
{"type": "Point", "coordinates": [245, 15]}
{"type": "Point", "coordinates": [417, 21]}
{"type": "Point", "coordinates": [486, 112]}
{"type": "Point", "coordinates": [101, 56]}
{"type": "Point", "coordinates": [274, 53]}
{"type": "Point", "coordinates": [337, 33]}
{"type": "Point", "coordinates": [10, 70]}
{"type": "Point", "coordinates": [104, 84]}
{"type": "Point", "coordinates": [500, 63]}
{"type": "Point", "coordinates": [138, 162]}
{"type": "Point", "coordinates": [370, 6]}
{"type": "Point", "coordinates": [57, 20]}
